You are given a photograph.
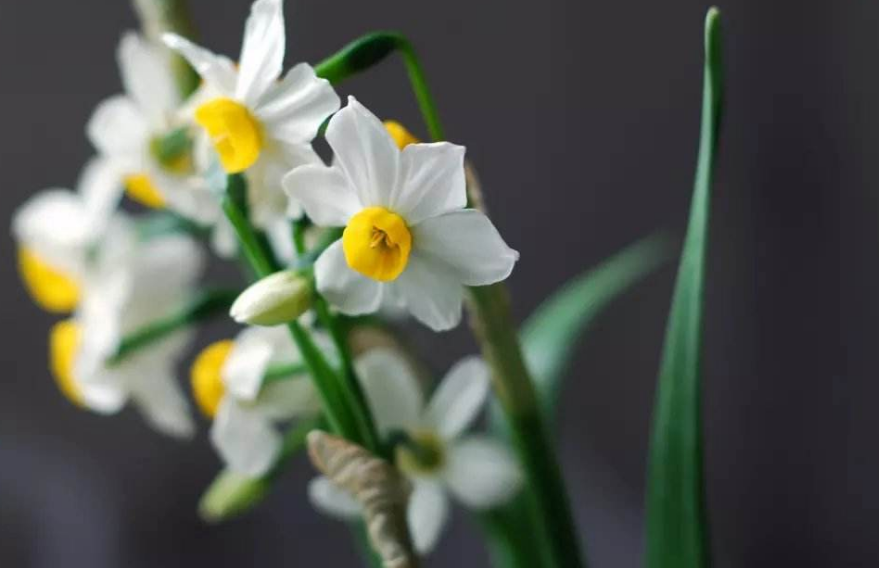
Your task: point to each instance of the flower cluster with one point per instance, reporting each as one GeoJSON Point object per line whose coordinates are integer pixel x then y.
{"type": "Point", "coordinates": [384, 226]}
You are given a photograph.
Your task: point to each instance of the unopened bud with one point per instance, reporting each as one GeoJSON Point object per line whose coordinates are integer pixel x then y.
{"type": "Point", "coordinates": [401, 136]}
{"type": "Point", "coordinates": [274, 300]}
{"type": "Point", "coordinates": [231, 494]}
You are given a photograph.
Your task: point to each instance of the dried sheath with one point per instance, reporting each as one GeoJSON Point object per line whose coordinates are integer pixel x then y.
{"type": "Point", "coordinates": [377, 486]}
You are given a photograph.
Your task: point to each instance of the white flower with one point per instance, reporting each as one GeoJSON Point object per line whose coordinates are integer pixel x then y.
{"type": "Point", "coordinates": [135, 284]}
{"type": "Point", "coordinates": [408, 238]}
{"type": "Point", "coordinates": [148, 137]}
{"type": "Point", "coordinates": [256, 122]}
{"type": "Point", "coordinates": [480, 472]}
{"type": "Point", "coordinates": [229, 380]}
{"type": "Point", "coordinates": [56, 231]}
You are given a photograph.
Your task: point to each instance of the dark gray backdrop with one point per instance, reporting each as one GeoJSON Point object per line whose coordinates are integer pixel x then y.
{"type": "Point", "coordinates": [583, 120]}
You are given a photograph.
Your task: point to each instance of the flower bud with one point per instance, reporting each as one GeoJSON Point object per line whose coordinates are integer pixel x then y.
{"type": "Point", "coordinates": [230, 495]}
{"type": "Point", "coordinates": [274, 300]}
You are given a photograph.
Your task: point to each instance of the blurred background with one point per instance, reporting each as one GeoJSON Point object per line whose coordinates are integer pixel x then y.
{"type": "Point", "coordinates": [582, 118]}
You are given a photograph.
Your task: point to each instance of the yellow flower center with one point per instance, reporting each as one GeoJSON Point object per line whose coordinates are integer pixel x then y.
{"type": "Point", "coordinates": [206, 376]}
{"type": "Point", "coordinates": [63, 345]}
{"type": "Point", "coordinates": [401, 136]}
{"type": "Point", "coordinates": [50, 288]}
{"type": "Point", "coordinates": [423, 454]}
{"type": "Point", "coordinates": [235, 132]}
{"type": "Point", "coordinates": [377, 243]}
{"type": "Point", "coordinates": [140, 188]}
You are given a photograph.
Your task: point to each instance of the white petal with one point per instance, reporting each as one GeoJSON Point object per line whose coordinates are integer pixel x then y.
{"type": "Point", "coordinates": [147, 75]}
{"type": "Point", "coordinates": [469, 246]}
{"type": "Point", "coordinates": [459, 398]}
{"type": "Point", "coordinates": [288, 399]}
{"type": "Point", "coordinates": [246, 440]}
{"type": "Point", "coordinates": [118, 128]}
{"type": "Point", "coordinates": [391, 389]}
{"type": "Point", "coordinates": [217, 71]}
{"type": "Point", "coordinates": [366, 153]}
{"type": "Point", "coordinates": [166, 269]}
{"type": "Point", "coordinates": [294, 109]}
{"type": "Point", "coordinates": [331, 500]}
{"type": "Point", "coordinates": [262, 51]}
{"type": "Point", "coordinates": [431, 181]}
{"type": "Point", "coordinates": [101, 188]}
{"type": "Point", "coordinates": [280, 237]}
{"type": "Point", "coordinates": [353, 293]}
{"type": "Point", "coordinates": [427, 514]}
{"type": "Point", "coordinates": [54, 224]}
{"type": "Point", "coordinates": [224, 241]}
{"type": "Point", "coordinates": [265, 193]}
{"type": "Point", "coordinates": [247, 363]}
{"type": "Point", "coordinates": [482, 473]}
{"type": "Point", "coordinates": [102, 397]}
{"type": "Point", "coordinates": [431, 293]}
{"type": "Point", "coordinates": [158, 396]}
{"type": "Point", "coordinates": [324, 193]}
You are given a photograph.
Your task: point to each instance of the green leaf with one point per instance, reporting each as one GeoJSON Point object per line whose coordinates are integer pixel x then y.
{"type": "Point", "coordinates": [549, 338]}
{"type": "Point", "coordinates": [550, 334]}
{"type": "Point", "coordinates": [677, 528]}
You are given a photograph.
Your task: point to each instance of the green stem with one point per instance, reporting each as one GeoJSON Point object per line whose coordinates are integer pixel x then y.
{"type": "Point", "coordinates": [365, 52]}
{"type": "Point", "coordinates": [514, 387]}
{"type": "Point", "coordinates": [351, 388]}
{"type": "Point", "coordinates": [235, 206]}
{"type": "Point", "coordinates": [208, 304]}
{"type": "Point", "coordinates": [339, 414]}
{"type": "Point", "coordinates": [283, 372]}
{"type": "Point", "coordinates": [161, 16]}
{"type": "Point", "coordinates": [500, 344]}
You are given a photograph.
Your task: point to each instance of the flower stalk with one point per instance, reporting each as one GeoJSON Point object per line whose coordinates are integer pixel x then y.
{"type": "Point", "coordinates": [208, 304]}
{"type": "Point", "coordinates": [344, 414]}
{"type": "Point", "coordinates": [369, 50]}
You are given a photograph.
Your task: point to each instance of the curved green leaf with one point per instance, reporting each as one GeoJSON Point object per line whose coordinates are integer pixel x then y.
{"type": "Point", "coordinates": [549, 338]}
{"type": "Point", "coordinates": [677, 528]}
{"type": "Point", "coordinates": [551, 333]}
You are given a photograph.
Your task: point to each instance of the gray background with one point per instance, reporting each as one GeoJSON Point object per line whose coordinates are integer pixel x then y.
{"type": "Point", "coordinates": [583, 120]}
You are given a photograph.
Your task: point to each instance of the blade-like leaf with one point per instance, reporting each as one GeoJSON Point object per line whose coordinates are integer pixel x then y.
{"type": "Point", "coordinates": [551, 333]}
{"type": "Point", "coordinates": [677, 530]}
{"type": "Point", "coordinates": [549, 337]}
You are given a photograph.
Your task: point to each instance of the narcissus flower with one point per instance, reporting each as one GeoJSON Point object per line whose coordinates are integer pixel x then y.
{"type": "Point", "coordinates": [408, 238]}
{"type": "Point", "coordinates": [135, 285]}
{"type": "Point", "coordinates": [148, 137]}
{"type": "Point", "coordinates": [432, 450]}
{"type": "Point", "coordinates": [248, 386]}
{"type": "Point", "coordinates": [258, 123]}
{"type": "Point", "coordinates": [56, 231]}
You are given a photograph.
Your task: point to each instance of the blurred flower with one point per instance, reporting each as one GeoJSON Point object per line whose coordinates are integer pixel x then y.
{"type": "Point", "coordinates": [273, 300]}
{"type": "Point", "coordinates": [432, 449]}
{"type": "Point", "coordinates": [256, 122]}
{"type": "Point", "coordinates": [407, 234]}
{"type": "Point", "coordinates": [134, 285]}
{"type": "Point", "coordinates": [56, 231]}
{"type": "Point", "coordinates": [149, 136]}
{"type": "Point", "coordinates": [231, 385]}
